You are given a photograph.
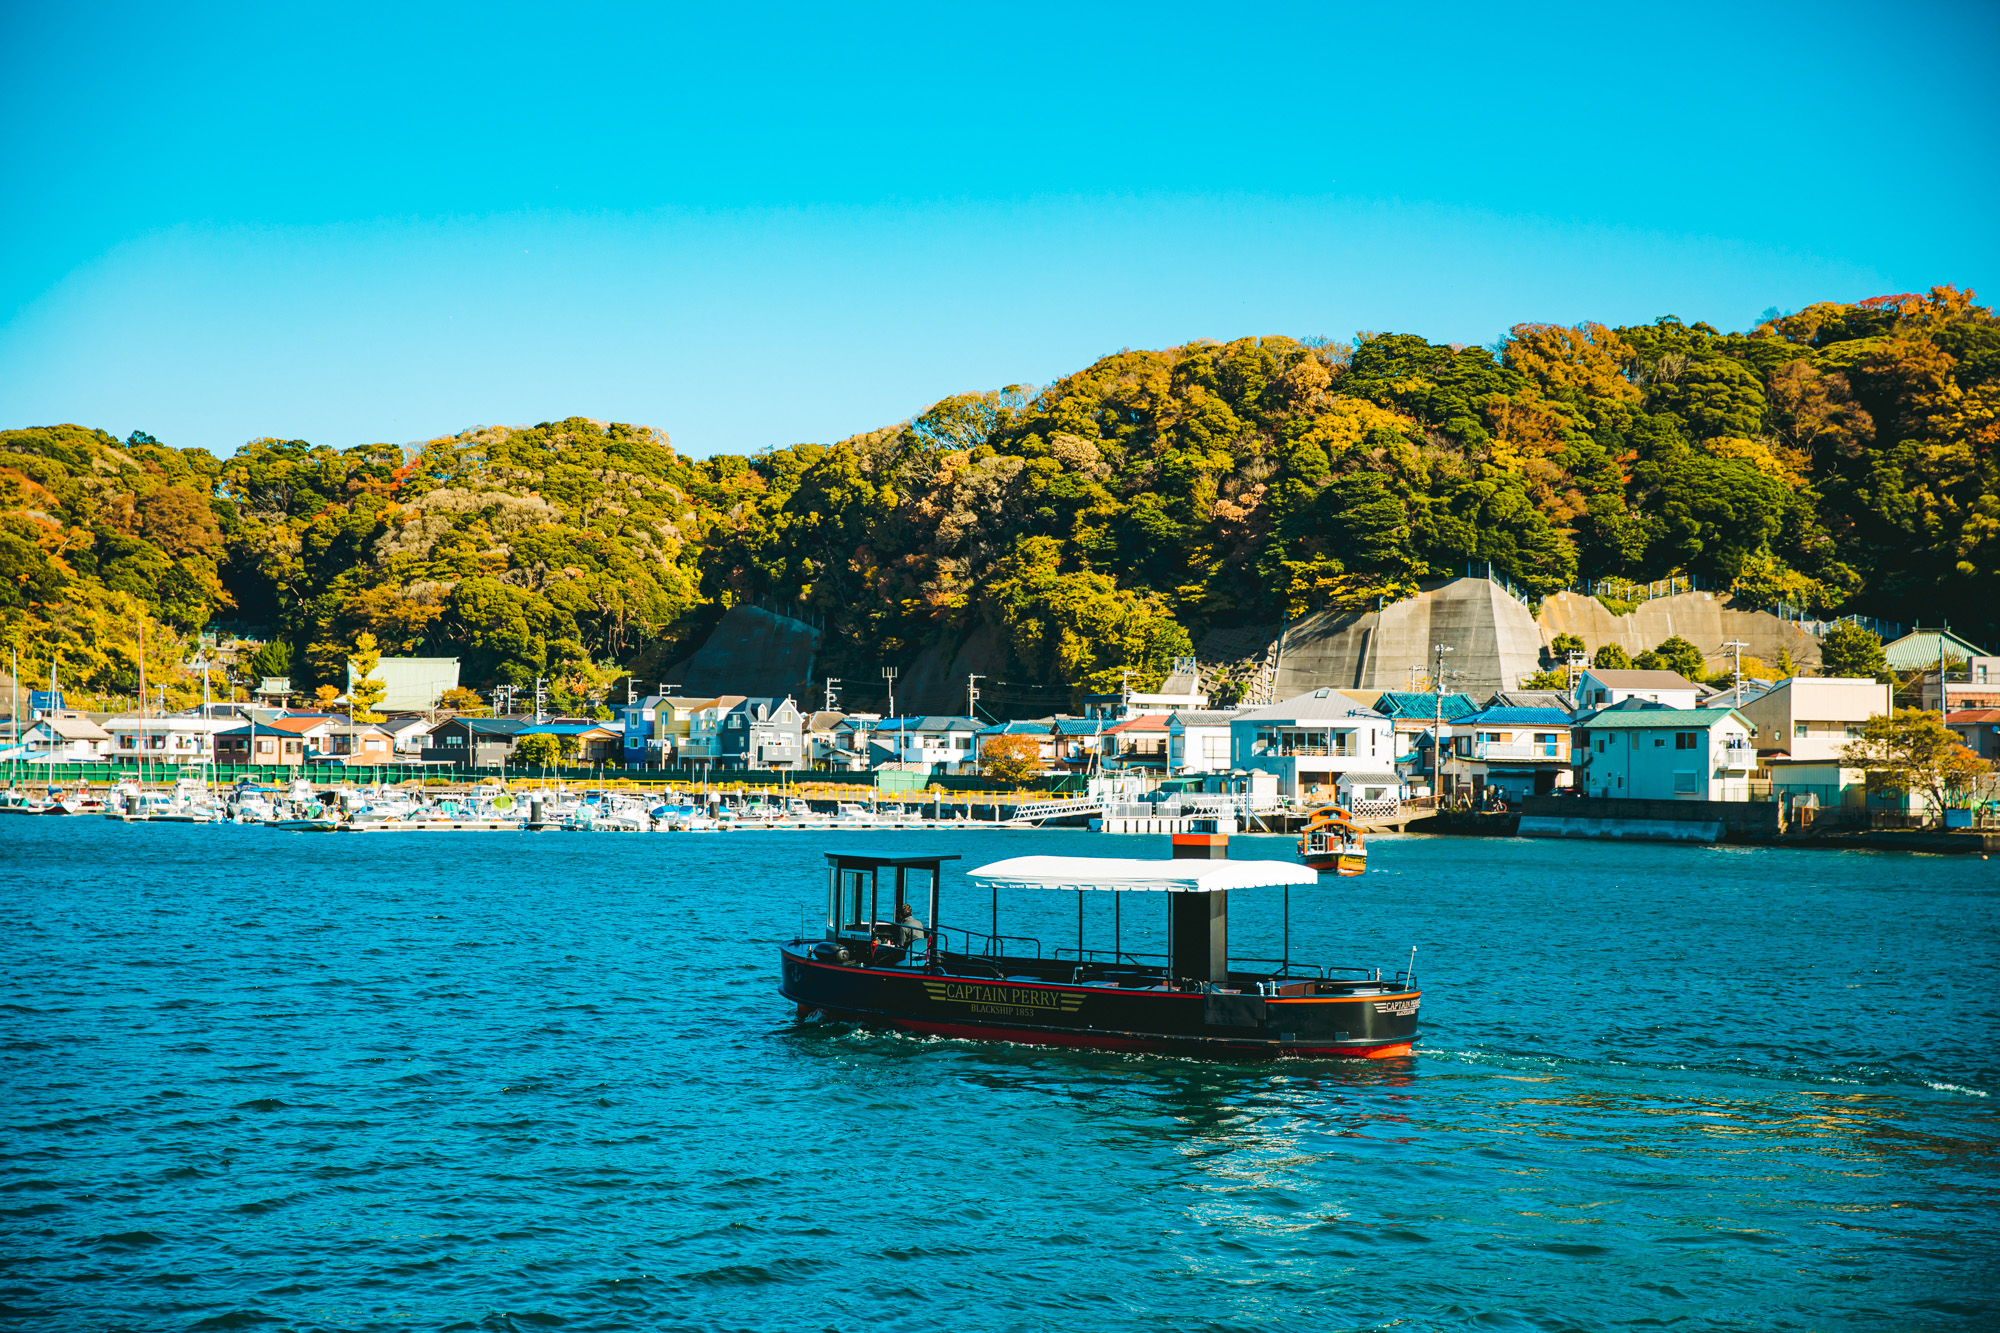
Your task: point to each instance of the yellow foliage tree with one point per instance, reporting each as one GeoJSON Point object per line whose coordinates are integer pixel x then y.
{"type": "Point", "coordinates": [364, 691]}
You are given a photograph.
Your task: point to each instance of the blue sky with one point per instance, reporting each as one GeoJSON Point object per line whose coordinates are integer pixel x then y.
{"type": "Point", "coordinates": [367, 223]}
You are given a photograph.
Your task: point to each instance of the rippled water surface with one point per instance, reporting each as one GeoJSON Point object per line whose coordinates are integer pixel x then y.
{"type": "Point", "coordinates": [256, 1079]}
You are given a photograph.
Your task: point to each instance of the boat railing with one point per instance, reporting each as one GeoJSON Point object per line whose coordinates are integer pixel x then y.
{"type": "Point", "coordinates": [990, 946]}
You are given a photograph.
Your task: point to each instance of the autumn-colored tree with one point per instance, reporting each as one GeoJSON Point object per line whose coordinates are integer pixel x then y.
{"type": "Point", "coordinates": [1913, 751]}
{"type": "Point", "coordinates": [1010, 758]}
{"type": "Point", "coordinates": [364, 691]}
{"type": "Point", "coordinates": [462, 700]}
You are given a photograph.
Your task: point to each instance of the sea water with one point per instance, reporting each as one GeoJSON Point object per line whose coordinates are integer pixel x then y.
{"type": "Point", "coordinates": [266, 1080]}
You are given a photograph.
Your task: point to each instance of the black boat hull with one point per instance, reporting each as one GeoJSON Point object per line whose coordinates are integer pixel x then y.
{"type": "Point", "coordinates": [1317, 1019]}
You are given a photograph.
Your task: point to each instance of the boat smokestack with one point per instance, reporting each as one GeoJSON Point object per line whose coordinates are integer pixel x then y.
{"type": "Point", "coordinates": [1201, 846]}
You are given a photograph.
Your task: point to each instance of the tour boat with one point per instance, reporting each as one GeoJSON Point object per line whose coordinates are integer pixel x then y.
{"type": "Point", "coordinates": [1332, 842]}
{"type": "Point", "coordinates": [954, 981]}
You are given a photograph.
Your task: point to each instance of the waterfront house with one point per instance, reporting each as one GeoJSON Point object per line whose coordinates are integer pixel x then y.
{"type": "Point", "coordinates": [694, 727]}
{"type": "Point", "coordinates": [845, 745]}
{"type": "Point", "coordinates": [1979, 728]}
{"type": "Point", "coordinates": [1310, 740]}
{"type": "Point", "coordinates": [1198, 740]}
{"type": "Point", "coordinates": [1803, 724]}
{"type": "Point", "coordinates": [1370, 793]}
{"type": "Point", "coordinates": [285, 740]}
{"type": "Point", "coordinates": [65, 737]}
{"type": "Point", "coordinates": [1136, 745]}
{"type": "Point", "coordinates": [1814, 717]}
{"type": "Point", "coordinates": [940, 743]}
{"type": "Point", "coordinates": [474, 742]}
{"type": "Point", "coordinates": [645, 739]}
{"type": "Point", "coordinates": [1970, 677]}
{"type": "Point", "coordinates": [1601, 688]}
{"type": "Point", "coordinates": [177, 738]}
{"type": "Point", "coordinates": [1511, 752]}
{"type": "Point", "coordinates": [1067, 744]}
{"type": "Point", "coordinates": [357, 743]}
{"type": "Point", "coordinates": [408, 733]}
{"type": "Point", "coordinates": [762, 733]}
{"type": "Point", "coordinates": [818, 736]}
{"type": "Point", "coordinates": [1414, 717]}
{"type": "Point", "coordinates": [1655, 752]}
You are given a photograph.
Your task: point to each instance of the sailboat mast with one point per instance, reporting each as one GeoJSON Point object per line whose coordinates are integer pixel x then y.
{"type": "Point", "coordinates": [142, 704]}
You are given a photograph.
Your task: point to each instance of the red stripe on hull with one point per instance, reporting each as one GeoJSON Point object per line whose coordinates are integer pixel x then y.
{"type": "Point", "coordinates": [1098, 1041]}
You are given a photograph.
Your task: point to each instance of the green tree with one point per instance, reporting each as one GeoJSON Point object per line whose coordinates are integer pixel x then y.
{"type": "Point", "coordinates": [1678, 655]}
{"type": "Point", "coordinates": [1849, 650]}
{"type": "Point", "coordinates": [1611, 658]}
{"type": "Point", "coordinates": [543, 750]}
{"type": "Point", "coordinates": [273, 658]}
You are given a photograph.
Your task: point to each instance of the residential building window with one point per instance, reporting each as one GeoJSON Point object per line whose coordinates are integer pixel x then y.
{"type": "Point", "coordinates": [1685, 783]}
{"type": "Point", "coordinates": [1686, 740]}
{"type": "Point", "coordinates": [1660, 742]}
{"type": "Point", "coordinates": [1853, 732]}
{"type": "Point", "coordinates": [1799, 729]}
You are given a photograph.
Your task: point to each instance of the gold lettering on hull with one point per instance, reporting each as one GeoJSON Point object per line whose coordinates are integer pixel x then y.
{"type": "Point", "coordinates": [1005, 1001]}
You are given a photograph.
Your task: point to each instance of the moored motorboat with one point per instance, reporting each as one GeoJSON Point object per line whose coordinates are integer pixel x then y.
{"type": "Point", "coordinates": [1331, 841]}
{"type": "Point", "coordinates": [870, 966]}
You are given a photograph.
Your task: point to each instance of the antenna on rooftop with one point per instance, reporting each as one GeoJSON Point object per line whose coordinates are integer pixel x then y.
{"type": "Point", "coordinates": [889, 675]}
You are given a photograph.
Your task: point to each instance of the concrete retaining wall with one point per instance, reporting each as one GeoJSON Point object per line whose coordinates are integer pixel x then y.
{"type": "Point", "coordinates": [1676, 821]}
{"type": "Point", "coordinates": [1707, 620]}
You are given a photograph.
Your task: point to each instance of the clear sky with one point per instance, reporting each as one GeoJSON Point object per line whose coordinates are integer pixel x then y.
{"type": "Point", "coordinates": [754, 226]}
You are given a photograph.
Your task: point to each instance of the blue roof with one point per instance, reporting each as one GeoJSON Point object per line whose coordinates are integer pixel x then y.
{"type": "Point", "coordinates": [931, 722]}
{"type": "Point", "coordinates": [560, 728]}
{"type": "Point", "coordinates": [1518, 717]}
{"type": "Point", "coordinates": [1403, 703]}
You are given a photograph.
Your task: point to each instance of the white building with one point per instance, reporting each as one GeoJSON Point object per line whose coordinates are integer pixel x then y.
{"type": "Point", "coordinates": [410, 733]}
{"type": "Point", "coordinates": [1812, 718]}
{"type": "Point", "coordinates": [178, 738]}
{"type": "Point", "coordinates": [1687, 754]}
{"type": "Point", "coordinates": [1197, 741]}
{"type": "Point", "coordinates": [1309, 741]}
{"type": "Point", "coordinates": [939, 742]}
{"type": "Point", "coordinates": [65, 738]}
{"type": "Point", "coordinates": [1179, 691]}
{"type": "Point", "coordinates": [1600, 689]}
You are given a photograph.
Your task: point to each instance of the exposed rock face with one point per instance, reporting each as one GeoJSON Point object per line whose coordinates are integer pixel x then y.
{"type": "Point", "coordinates": [752, 652]}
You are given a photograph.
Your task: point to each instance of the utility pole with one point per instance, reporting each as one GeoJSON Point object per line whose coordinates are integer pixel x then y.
{"type": "Point", "coordinates": [832, 694]}
{"type": "Point", "coordinates": [1437, 725]}
{"type": "Point", "coordinates": [889, 676]}
{"type": "Point", "coordinates": [972, 695]}
{"type": "Point", "coordinates": [1736, 647]}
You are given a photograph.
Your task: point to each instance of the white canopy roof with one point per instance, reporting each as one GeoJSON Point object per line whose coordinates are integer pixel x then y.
{"type": "Point", "coordinates": [1129, 875]}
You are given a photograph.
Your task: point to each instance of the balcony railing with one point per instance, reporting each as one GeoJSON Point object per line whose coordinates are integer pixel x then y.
{"type": "Point", "coordinates": [1518, 750]}
{"type": "Point", "coordinates": [1735, 756]}
{"type": "Point", "coordinates": [1309, 752]}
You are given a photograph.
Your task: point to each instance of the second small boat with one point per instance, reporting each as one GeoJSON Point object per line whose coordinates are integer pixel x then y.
{"type": "Point", "coordinates": [1332, 841]}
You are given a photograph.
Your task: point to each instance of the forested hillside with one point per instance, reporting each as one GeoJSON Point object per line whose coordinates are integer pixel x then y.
{"type": "Point", "coordinates": [1846, 457]}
